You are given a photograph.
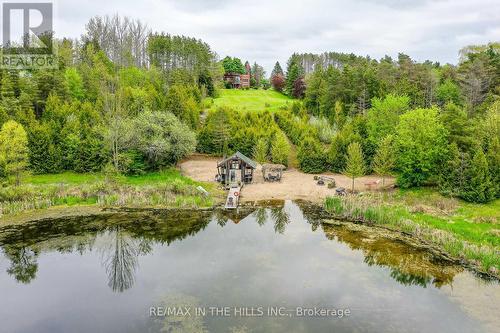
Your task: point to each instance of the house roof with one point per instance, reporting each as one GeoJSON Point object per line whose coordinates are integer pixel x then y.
{"type": "Point", "coordinates": [240, 156]}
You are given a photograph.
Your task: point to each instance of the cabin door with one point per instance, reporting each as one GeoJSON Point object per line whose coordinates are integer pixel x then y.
{"type": "Point", "coordinates": [234, 176]}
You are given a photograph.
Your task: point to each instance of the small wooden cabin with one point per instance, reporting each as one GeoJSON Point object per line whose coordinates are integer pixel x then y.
{"type": "Point", "coordinates": [236, 170]}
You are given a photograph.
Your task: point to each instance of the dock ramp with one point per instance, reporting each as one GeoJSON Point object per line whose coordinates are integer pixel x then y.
{"type": "Point", "coordinates": [233, 198]}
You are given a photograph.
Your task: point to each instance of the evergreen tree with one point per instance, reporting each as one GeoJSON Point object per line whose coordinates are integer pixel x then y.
{"type": "Point", "coordinates": [459, 127]}
{"type": "Point", "coordinates": [385, 158]}
{"type": "Point", "coordinates": [452, 175]}
{"type": "Point", "coordinates": [13, 150]}
{"type": "Point", "coordinates": [260, 151]}
{"type": "Point", "coordinates": [280, 149]}
{"type": "Point", "coordinates": [277, 70]}
{"type": "Point", "coordinates": [292, 75]}
{"type": "Point", "coordinates": [493, 158]}
{"type": "Point", "coordinates": [478, 187]}
{"type": "Point", "coordinates": [43, 157]}
{"type": "Point", "coordinates": [355, 165]}
{"type": "Point", "coordinates": [311, 156]}
{"type": "Point", "coordinates": [9, 102]}
{"type": "Point", "coordinates": [222, 131]}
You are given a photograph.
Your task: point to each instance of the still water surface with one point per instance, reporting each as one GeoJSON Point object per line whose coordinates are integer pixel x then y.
{"type": "Point", "coordinates": [110, 273]}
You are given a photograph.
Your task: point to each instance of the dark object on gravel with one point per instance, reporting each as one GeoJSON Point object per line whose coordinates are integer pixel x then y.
{"type": "Point", "coordinates": [341, 191]}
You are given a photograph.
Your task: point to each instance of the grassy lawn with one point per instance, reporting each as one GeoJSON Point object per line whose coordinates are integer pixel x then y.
{"type": "Point", "coordinates": [71, 178]}
{"type": "Point", "coordinates": [249, 100]}
{"type": "Point", "coordinates": [167, 188]}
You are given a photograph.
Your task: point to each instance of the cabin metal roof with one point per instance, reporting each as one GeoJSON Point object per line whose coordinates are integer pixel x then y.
{"type": "Point", "coordinates": [240, 156]}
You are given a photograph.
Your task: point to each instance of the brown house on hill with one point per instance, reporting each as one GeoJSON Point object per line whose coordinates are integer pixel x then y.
{"type": "Point", "coordinates": [239, 80]}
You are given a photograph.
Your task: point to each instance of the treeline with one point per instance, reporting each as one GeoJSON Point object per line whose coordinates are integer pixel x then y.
{"type": "Point", "coordinates": [427, 123]}
{"type": "Point", "coordinates": [122, 98]}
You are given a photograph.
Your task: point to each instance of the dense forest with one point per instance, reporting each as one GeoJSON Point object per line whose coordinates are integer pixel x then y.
{"type": "Point", "coordinates": [131, 100]}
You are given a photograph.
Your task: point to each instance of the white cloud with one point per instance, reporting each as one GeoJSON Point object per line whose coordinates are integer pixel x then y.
{"type": "Point", "coordinates": [266, 31]}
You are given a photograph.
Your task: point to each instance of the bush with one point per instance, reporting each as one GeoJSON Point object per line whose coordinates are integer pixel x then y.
{"type": "Point", "coordinates": [163, 139]}
{"type": "Point", "coordinates": [311, 156]}
{"type": "Point", "coordinates": [325, 131]}
{"type": "Point", "coordinates": [133, 163]}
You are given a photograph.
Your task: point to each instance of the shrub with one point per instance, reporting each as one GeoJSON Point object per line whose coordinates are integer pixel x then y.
{"type": "Point", "coordinates": [311, 156]}
{"type": "Point", "coordinates": [325, 131]}
{"type": "Point", "coordinates": [163, 139]}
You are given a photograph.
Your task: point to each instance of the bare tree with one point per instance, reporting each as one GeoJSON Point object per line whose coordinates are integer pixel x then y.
{"type": "Point", "coordinates": [122, 39]}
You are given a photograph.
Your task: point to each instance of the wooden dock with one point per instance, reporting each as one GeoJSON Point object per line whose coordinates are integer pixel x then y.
{"type": "Point", "coordinates": [233, 198]}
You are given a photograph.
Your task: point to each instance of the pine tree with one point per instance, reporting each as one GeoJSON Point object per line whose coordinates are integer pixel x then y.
{"type": "Point", "coordinates": [452, 173]}
{"type": "Point", "coordinates": [459, 127]}
{"type": "Point", "coordinates": [385, 158]}
{"type": "Point", "coordinates": [280, 149]}
{"type": "Point", "coordinates": [291, 76]}
{"type": "Point", "coordinates": [221, 130]}
{"type": "Point", "coordinates": [43, 156]}
{"type": "Point", "coordinates": [7, 92]}
{"type": "Point", "coordinates": [355, 165]}
{"type": "Point", "coordinates": [478, 187]}
{"type": "Point", "coordinates": [260, 151]}
{"type": "Point", "coordinates": [13, 149]}
{"type": "Point", "coordinates": [277, 70]}
{"type": "Point", "coordinates": [493, 158]}
{"type": "Point", "coordinates": [311, 156]}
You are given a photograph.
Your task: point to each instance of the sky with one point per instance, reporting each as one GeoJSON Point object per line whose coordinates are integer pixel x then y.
{"type": "Point", "coordinates": [267, 31]}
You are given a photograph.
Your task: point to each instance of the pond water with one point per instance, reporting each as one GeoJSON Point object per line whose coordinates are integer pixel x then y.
{"type": "Point", "coordinates": [251, 271]}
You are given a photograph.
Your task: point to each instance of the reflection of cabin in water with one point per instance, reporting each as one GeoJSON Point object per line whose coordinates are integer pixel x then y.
{"type": "Point", "coordinates": [236, 170]}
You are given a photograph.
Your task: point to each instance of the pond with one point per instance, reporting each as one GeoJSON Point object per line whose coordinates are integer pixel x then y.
{"type": "Point", "coordinates": [276, 269]}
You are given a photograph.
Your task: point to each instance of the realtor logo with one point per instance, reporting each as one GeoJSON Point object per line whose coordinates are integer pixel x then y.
{"type": "Point", "coordinates": [27, 32]}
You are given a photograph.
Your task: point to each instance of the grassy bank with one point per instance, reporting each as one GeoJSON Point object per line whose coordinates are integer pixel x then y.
{"type": "Point", "coordinates": [470, 232]}
{"type": "Point", "coordinates": [249, 100]}
{"type": "Point", "coordinates": [166, 189]}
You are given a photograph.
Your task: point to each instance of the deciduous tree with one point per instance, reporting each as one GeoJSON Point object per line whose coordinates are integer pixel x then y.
{"type": "Point", "coordinates": [385, 158]}
{"type": "Point", "coordinates": [355, 164]}
{"type": "Point", "coordinates": [13, 150]}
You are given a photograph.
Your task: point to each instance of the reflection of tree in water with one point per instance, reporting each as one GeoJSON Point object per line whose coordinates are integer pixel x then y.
{"type": "Point", "coordinates": [281, 218]}
{"type": "Point", "coordinates": [261, 215]}
{"type": "Point", "coordinates": [313, 214]}
{"type": "Point", "coordinates": [220, 218]}
{"type": "Point", "coordinates": [23, 263]}
{"type": "Point", "coordinates": [120, 258]}
{"type": "Point", "coordinates": [408, 265]}
{"type": "Point", "coordinates": [181, 323]}
{"type": "Point", "coordinates": [129, 235]}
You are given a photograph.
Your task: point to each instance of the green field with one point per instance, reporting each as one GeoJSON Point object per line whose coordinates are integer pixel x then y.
{"type": "Point", "coordinates": [249, 100]}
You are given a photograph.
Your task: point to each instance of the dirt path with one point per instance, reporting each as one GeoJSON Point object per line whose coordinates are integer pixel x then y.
{"type": "Point", "coordinates": [294, 184]}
